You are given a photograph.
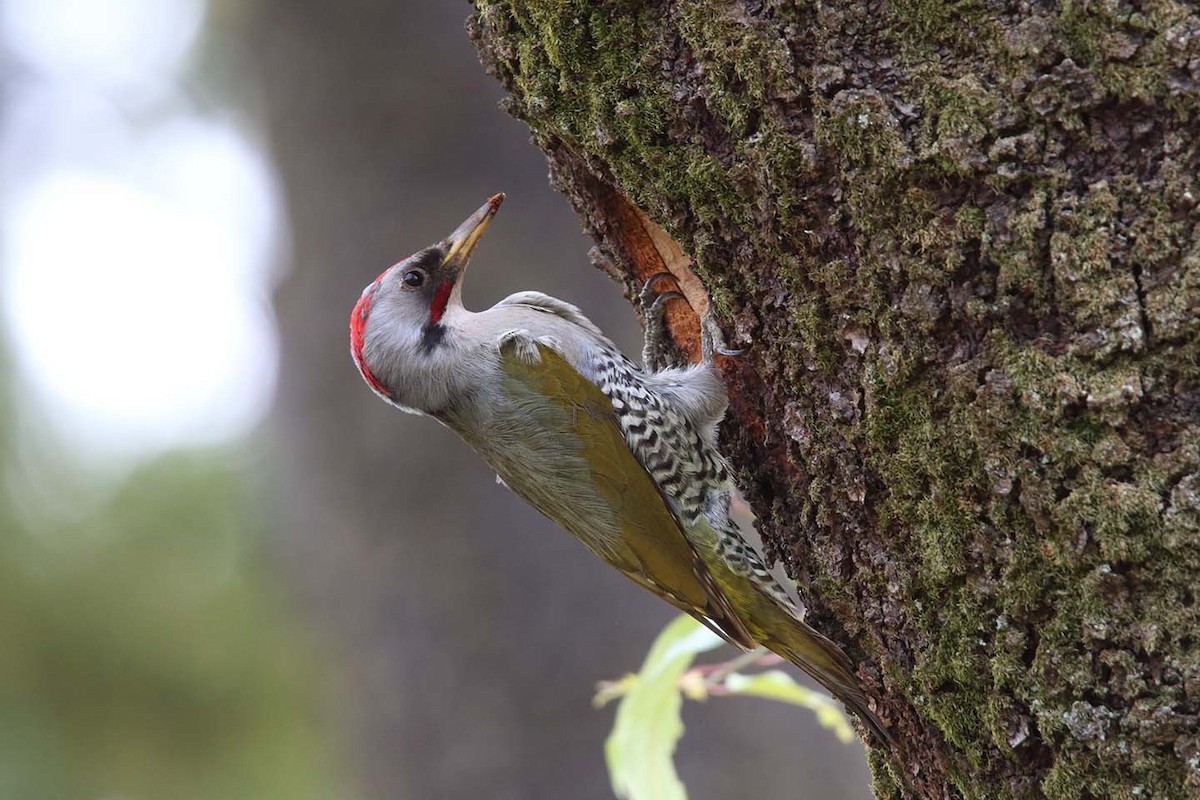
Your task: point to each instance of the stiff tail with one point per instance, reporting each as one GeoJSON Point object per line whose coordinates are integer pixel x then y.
{"type": "Point", "coordinates": [824, 661]}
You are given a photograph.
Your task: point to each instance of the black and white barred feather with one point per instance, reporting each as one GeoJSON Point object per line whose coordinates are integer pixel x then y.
{"type": "Point", "coordinates": [682, 460]}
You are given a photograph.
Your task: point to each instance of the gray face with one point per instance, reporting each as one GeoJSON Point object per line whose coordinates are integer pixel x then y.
{"type": "Point", "coordinates": [416, 292]}
{"type": "Point", "coordinates": [404, 304]}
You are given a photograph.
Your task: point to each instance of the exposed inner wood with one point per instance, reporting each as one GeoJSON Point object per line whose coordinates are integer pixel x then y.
{"type": "Point", "coordinates": [649, 250]}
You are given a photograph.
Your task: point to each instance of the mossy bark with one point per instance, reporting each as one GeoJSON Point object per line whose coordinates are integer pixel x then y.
{"type": "Point", "coordinates": [963, 239]}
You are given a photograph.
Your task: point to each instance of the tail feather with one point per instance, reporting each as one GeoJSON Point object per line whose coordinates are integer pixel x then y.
{"type": "Point", "coordinates": [822, 660]}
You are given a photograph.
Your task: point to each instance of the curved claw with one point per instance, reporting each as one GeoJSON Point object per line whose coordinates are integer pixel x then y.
{"type": "Point", "coordinates": [656, 279]}
{"type": "Point", "coordinates": [646, 295]}
{"type": "Point", "coordinates": [731, 353]}
{"type": "Point", "coordinates": [661, 300]}
{"type": "Point", "coordinates": [712, 340]}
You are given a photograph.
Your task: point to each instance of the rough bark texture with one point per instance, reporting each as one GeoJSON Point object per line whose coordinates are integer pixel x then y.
{"type": "Point", "coordinates": [963, 239]}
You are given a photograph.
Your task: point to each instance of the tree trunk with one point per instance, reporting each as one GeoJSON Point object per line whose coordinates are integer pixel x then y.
{"type": "Point", "coordinates": [961, 244]}
{"type": "Point", "coordinates": [467, 631]}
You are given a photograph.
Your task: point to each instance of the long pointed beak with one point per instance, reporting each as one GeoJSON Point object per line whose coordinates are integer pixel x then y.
{"type": "Point", "coordinates": [462, 241]}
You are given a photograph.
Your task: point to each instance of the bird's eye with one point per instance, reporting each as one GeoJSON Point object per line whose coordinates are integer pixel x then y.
{"type": "Point", "coordinates": [414, 278]}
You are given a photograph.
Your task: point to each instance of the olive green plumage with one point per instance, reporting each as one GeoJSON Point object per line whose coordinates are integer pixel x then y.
{"type": "Point", "coordinates": [632, 525]}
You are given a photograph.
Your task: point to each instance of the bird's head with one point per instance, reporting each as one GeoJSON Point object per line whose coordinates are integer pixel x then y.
{"type": "Point", "coordinates": [400, 326]}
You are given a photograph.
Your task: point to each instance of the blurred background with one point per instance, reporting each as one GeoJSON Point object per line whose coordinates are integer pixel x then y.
{"type": "Point", "coordinates": [227, 569]}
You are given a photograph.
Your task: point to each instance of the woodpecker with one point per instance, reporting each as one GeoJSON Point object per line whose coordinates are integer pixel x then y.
{"type": "Point", "coordinates": [623, 457]}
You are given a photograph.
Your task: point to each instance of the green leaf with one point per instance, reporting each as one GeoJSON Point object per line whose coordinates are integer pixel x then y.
{"type": "Point", "coordinates": [777, 685]}
{"type": "Point", "coordinates": [648, 725]}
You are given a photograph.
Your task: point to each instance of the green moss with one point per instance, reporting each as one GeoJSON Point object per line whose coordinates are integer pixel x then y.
{"type": "Point", "coordinates": [1016, 251]}
{"type": "Point", "coordinates": [810, 323]}
{"type": "Point", "coordinates": [784, 163]}
{"type": "Point", "coordinates": [1127, 53]}
{"type": "Point", "coordinates": [1098, 290]}
{"type": "Point", "coordinates": [927, 25]}
{"type": "Point", "coordinates": [857, 127]}
{"type": "Point", "coordinates": [962, 115]}
{"type": "Point", "coordinates": [742, 62]}
{"type": "Point", "coordinates": [619, 114]}
{"type": "Point", "coordinates": [950, 675]}
{"type": "Point", "coordinates": [1173, 303]}
{"type": "Point", "coordinates": [1063, 550]}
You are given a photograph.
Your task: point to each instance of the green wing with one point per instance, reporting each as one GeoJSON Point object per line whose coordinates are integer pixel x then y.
{"type": "Point", "coordinates": [653, 549]}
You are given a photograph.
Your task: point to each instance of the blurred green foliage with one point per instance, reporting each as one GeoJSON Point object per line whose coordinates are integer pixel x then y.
{"type": "Point", "coordinates": [640, 750]}
{"type": "Point", "coordinates": [145, 650]}
{"type": "Point", "coordinates": [778, 685]}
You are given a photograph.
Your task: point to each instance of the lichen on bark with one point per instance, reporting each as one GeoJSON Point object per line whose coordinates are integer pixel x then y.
{"type": "Point", "coordinates": [965, 243]}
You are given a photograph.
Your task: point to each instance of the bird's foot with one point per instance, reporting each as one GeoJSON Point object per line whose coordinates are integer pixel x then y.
{"type": "Point", "coordinates": [655, 348]}
{"type": "Point", "coordinates": [524, 345]}
{"type": "Point", "coordinates": [712, 339]}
